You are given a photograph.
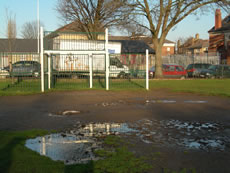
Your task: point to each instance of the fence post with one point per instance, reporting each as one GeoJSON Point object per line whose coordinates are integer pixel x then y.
{"type": "Point", "coordinates": [49, 71]}
{"type": "Point", "coordinates": [42, 60]}
{"type": "Point", "coordinates": [91, 71]}
{"type": "Point", "coordinates": [107, 58]}
{"type": "Point", "coordinates": [147, 69]}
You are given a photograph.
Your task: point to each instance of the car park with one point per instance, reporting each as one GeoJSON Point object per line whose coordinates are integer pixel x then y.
{"type": "Point", "coordinates": [216, 71]}
{"type": "Point", "coordinates": [170, 71]}
{"type": "Point", "coordinates": [24, 69]}
{"type": "Point", "coordinates": [194, 70]}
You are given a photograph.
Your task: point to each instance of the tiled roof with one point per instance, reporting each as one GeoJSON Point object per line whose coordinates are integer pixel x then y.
{"type": "Point", "coordinates": [193, 43]}
{"type": "Point", "coordinates": [19, 45]}
{"type": "Point", "coordinates": [74, 27]}
{"type": "Point", "coordinates": [199, 44]}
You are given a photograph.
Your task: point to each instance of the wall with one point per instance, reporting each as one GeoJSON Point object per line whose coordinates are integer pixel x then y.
{"type": "Point", "coordinates": [168, 49]}
{"type": "Point", "coordinates": [215, 41]}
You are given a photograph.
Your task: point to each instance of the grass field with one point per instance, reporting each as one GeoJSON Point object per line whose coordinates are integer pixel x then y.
{"type": "Point", "coordinates": [218, 87]}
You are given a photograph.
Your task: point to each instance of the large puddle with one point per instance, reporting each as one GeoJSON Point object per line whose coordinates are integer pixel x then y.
{"type": "Point", "coordinates": [78, 144]}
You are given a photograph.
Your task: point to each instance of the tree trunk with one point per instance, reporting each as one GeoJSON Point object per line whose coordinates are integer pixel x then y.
{"type": "Point", "coordinates": [159, 62]}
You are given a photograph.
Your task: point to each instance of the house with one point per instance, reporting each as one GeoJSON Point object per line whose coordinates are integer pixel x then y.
{"type": "Point", "coordinates": [193, 46]}
{"type": "Point", "coordinates": [219, 37]}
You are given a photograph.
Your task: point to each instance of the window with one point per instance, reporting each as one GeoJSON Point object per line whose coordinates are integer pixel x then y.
{"type": "Point", "coordinates": [168, 49]}
{"type": "Point", "coordinates": [171, 68]}
{"type": "Point", "coordinates": [178, 68]}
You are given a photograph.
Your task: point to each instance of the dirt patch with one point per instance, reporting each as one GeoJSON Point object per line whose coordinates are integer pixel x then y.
{"type": "Point", "coordinates": [190, 131]}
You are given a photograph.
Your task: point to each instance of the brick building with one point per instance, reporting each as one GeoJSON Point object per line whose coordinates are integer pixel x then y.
{"type": "Point", "coordinates": [219, 37]}
{"type": "Point", "coordinates": [193, 46]}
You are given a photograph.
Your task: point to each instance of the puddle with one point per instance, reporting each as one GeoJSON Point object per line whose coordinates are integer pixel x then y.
{"type": "Point", "coordinates": [77, 145]}
{"type": "Point", "coordinates": [106, 104]}
{"type": "Point", "coordinates": [65, 147]}
{"type": "Point", "coordinates": [194, 101]}
{"type": "Point", "coordinates": [206, 136]}
{"type": "Point", "coordinates": [160, 101]}
{"type": "Point", "coordinates": [174, 101]}
{"type": "Point", "coordinates": [64, 113]}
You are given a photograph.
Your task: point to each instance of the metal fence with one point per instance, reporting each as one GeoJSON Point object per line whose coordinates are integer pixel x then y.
{"type": "Point", "coordinates": [20, 72]}
{"type": "Point", "coordinates": [127, 71]}
{"type": "Point", "coordinates": [70, 61]}
{"type": "Point", "coordinates": [185, 60]}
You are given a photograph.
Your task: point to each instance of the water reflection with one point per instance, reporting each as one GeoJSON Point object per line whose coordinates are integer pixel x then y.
{"type": "Point", "coordinates": [76, 146]}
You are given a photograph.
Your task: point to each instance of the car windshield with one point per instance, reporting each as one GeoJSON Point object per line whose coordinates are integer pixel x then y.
{"type": "Point", "coordinates": [152, 68]}
{"type": "Point", "coordinates": [213, 67]}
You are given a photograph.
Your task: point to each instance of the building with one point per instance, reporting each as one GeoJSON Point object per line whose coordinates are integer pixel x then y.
{"type": "Point", "coordinates": [219, 37]}
{"type": "Point", "coordinates": [167, 49]}
{"type": "Point", "coordinates": [193, 46]}
{"type": "Point", "coordinates": [15, 50]}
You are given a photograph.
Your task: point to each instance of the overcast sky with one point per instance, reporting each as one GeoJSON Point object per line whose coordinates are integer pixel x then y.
{"type": "Point", "coordinates": [26, 11]}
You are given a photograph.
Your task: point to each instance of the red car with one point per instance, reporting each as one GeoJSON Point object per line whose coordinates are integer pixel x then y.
{"type": "Point", "coordinates": [170, 71]}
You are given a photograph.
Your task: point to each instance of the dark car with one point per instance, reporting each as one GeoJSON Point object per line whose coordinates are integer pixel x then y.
{"type": "Point", "coordinates": [170, 71]}
{"type": "Point", "coordinates": [216, 71]}
{"type": "Point", "coordinates": [194, 70]}
{"type": "Point", "coordinates": [24, 68]}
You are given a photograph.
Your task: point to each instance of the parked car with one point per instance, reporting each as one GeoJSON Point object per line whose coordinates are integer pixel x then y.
{"type": "Point", "coordinates": [194, 70]}
{"type": "Point", "coordinates": [216, 71]}
{"type": "Point", "coordinates": [24, 68]}
{"type": "Point", "coordinates": [170, 71]}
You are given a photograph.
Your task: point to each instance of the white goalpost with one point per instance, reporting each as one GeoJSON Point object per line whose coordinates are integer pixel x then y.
{"type": "Point", "coordinates": [91, 60]}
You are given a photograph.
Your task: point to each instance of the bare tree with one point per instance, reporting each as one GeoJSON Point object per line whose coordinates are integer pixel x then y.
{"type": "Point", "coordinates": [93, 15]}
{"type": "Point", "coordinates": [161, 16]}
{"type": "Point", "coordinates": [11, 34]}
{"type": "Point", "coordinates": [30, 30]}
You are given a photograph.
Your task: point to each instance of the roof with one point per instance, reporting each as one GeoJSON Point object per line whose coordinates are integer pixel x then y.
{"type": "Point", "coordinates": [193, 43]}
{"type": "Point", "coordinates": [19, 45]}
{"type": "Point", "coordinates": [144, 38]}
{"type": "Point", "coordinates": [199, 44]}
{"type": "Point", "coordinates": [134, 46]}
{"type": "Point", "coordinates": [75, 27]}
{"type": "Point", "coordinates": [225, 26]}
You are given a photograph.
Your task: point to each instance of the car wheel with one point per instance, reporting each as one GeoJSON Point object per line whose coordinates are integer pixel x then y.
{"type": "Point", "coordinates": [121, 75]}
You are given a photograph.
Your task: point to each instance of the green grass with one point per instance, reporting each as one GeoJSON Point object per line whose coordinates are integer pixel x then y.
{"type": "Point", "coordinates": [206, 87]}
{"type": "Point", "coordinates": [15, 87]}
{"type": "Point", "coordinates": [16, 158]}
{"type": "Point", "coordinates": [118, 159]}
{"type": "Point", "coordinates": [218, 87]}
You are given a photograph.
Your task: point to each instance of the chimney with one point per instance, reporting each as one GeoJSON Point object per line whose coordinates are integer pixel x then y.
{"type": "Point", "coordinates": [197, 36]}
{"type": "Point", "coordinates": [218, 19]}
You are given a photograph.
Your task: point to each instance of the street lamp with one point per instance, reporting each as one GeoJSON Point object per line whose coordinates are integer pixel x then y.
{"type": "Point", "coordinates": [38, 23]}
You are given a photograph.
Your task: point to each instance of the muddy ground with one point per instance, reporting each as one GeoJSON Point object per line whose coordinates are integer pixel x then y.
{"type": "Point", "coordinates": [183, 130]}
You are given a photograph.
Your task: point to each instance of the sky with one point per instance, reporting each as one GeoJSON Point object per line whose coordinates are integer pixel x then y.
{"type": "Point", "coordinates": [26, 11]}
